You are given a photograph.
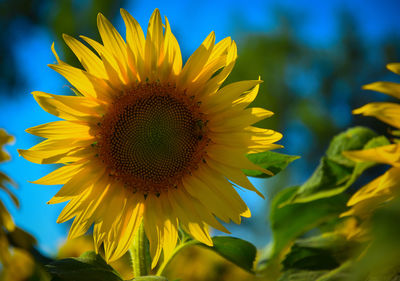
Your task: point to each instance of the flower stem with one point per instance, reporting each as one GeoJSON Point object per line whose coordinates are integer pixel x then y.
{"type": "Point", "coordinates": [140, 253]}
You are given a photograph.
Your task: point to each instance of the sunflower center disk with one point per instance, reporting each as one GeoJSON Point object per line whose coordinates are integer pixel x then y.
{"type": "Point", "coordinates": [151, 137]}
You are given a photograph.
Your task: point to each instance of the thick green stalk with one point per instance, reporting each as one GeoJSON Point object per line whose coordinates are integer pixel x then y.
{"type": "Point", "coordinates": [140, 253]}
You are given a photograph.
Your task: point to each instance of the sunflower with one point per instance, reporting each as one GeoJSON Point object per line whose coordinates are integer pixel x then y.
{"type": "Point", "coordinates": [387, 186]}
{"type": "Point", "coordinates": [6, 221]}
{"type": "Point", "coordinates": [147, 140]}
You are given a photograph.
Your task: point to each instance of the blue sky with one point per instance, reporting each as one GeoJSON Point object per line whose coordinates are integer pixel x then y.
{"type": "Point", "coordinates": [316, 25]}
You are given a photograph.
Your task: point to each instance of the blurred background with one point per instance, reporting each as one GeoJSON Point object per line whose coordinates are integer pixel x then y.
{"type": "Point", "coordinates": [313, 56]}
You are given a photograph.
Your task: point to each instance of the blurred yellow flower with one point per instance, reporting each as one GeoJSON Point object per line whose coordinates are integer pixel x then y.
{"type": "Point", "coordinates": [21, 266]}
{"type": "Point", "coordinates": [149, 140]}
{"type": "Point", "coordinates": [74, 248]}
{"type": "Point", "coordinates": [6, 221]}
{"type": "Point", "coordinates": [387, 186]}
{"type": "Point", "coordinates": [199, 264]}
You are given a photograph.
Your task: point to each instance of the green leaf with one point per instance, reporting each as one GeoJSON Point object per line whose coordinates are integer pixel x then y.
{"type": "Point", "coordinates": [352, 139]}
{"type": "Point", "coordinates": [89, 266]}
{"type": "Point", "coordinates": [309, 258]}
{"type": "Point", "coordinates": [235, 250]}
{"type": "Point", "coordinates": [322, 252]}
{"type": "Point", "coordinates": [238, 251]}
{"type": "Point", "coordinates": [335, 172]}
{"type": "Point", "coordinates": [289, 221]}
{"type": "Point", "coordinates": [338, 274]}
{"type": "Point", "coordinates": [272, 161]}
{"type": "Point", "coordinates": [302, 275]}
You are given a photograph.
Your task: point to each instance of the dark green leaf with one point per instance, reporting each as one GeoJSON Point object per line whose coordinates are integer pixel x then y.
{"type": "Point", "coordinates": [338, 274]}
{"type": "Point", "coordinates": [237, 251]}
{"type": "Point", "coordinates": [302, 275]}
{"type": "Point", "coordinates": [87, 267]}
{"type": "Point", "coordinates": [321, 252]}
{"type": "Point", "coordinates": [309, 258]}
{"type": "Point", "coordinates": [272, 161]}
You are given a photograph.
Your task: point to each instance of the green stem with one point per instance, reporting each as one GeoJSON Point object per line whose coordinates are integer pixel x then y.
{"type": "Point", "coordinates": [140, 253]}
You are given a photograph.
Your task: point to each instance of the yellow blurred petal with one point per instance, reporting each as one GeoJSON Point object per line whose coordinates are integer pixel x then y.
{"type": "Point", "coordinates": [388, 88]}
{"type": "Point", "coordinates": [384, 111]}
{"type": "Point", "coordinates": [5, 218]}
{"type": "Point", "coordinates": [388, 154]}
{"type": "Point", "coordinates": [394, 67]}
{"type": "Point", "coordinates": [383, 186]}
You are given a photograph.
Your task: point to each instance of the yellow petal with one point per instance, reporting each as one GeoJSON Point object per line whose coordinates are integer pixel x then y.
{"type": "Point", "coordinates": [73, 208]}
{"type": "Point", "coordinates": [135, 42]}
{"type": "Point", "coordinates": [233, 174]}
{"type": "Point", "coordinates": [62, 130]}
{"type": "Point", "coordinates": [80, 182]}
{"type": "Point", "coordinates": [239, 120]}
{"type": "Point", "coordinates": [111, 63]}
{"type": "Point", "coordinates": [154, 40]}
{"type": "Point", "coordinates": [68, 107]}
{"type": "Point", "coordinates": [127, 227]}
{"type": "Point", "coordinates": [216, 81]}
{"type": "Point", "coordinates": [195, 228]}
{"type": "Point", "coordinates": [173, 54]}
{"type": "Point", "coordinates": [54, 151]}
{"type": "Point", "coordinates": [5, 218]}
{"type": "Point", "coordinates": [379, 189]}
{"type": "Point", "coordinates": [61, 175]}
{"type": "Point", "coordinates": [154, 228]}
{"type": "Point", "coordinates": [201, 191]}
{"type": "Point", "coordinates": [224, 98]}
{"type": "Point", "coordinates": [87, 58]}
{"type": "Point", "coordinates": [87, 84]}
{"type": "Point", "coordinates": [385, 111]}
{"type": "Point", "coordinates": [388, 154]}
{"type": "Point", "coordinates": [113, 41]}
{"type": "Point", "coordinates": [394, 67]}
{"type": "Point", "coordinates": [196, 61]}
{"type": "Point", "coordinates": [388, 88]}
